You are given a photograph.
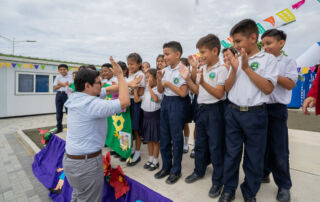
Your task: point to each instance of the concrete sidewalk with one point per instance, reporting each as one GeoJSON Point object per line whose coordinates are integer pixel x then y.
{"type": "Point", "coordinates": [17, 182]}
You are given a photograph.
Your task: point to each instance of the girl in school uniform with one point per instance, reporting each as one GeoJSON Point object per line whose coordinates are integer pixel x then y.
{"type": "Point", "coordinates": [134, 62]}
{"type": "Point", "coordinates": [150, 105]}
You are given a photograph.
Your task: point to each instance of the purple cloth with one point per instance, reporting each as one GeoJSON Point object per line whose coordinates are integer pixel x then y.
{"type": "Point", "coordinates": [49, 159]}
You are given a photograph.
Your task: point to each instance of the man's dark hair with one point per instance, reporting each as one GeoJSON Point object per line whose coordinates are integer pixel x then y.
{"type": "Point", "coordinates": [174, 45]}
{"type": "Point", "coordinates": [107, 65]}
{"type": "Point", "coordinates": [92, 67]}
{"type": "Point", "coordinates": [185, 61]}
{"type": "Point", "coordinates": [84, 76]}
{"type": "Point", "coordinates": [210, 41]}
{"type": "Point", "coordinates": [245, 27]}
{"type": "Point", "coordinates": [232, 49]}
{"type": "Point", "coordinates": [278, 34]}
{"type": "Point", "coordinates": [63, 66]}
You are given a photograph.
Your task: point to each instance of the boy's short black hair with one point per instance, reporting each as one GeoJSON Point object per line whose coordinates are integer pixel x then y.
{"type": "Point", "coordinates": [153, 72]}
{"type": "Point", "coordinates": [63, 66]}
{"type": "Point", "coordinates": [232, 49]}
{"type": "Point", "coordinates": [83, 76]}
{"type": "Point", "coordinates": [210, 41]}
{"type": "Point", "coordinates": [185, 61]}
{"type": "Point", "coordinates": [278, 34]}
{"type": "Point", "coordinates": [173, 45]}
{"type": "Point", "coordinates": [92, 67]}
{"type": "Point", "coordinates": [107, 65]}
{"type": "Point", "coordinates": [245, 27]}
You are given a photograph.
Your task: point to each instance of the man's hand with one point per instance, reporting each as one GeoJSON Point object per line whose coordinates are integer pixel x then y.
{"type": "Point", "coordinates": [309, 102]}
{"type": "Point", "coordinates": [192, 61]}
{"type": "Point", "coordinates": [244, 59]}
{"type": "Point", "coordinates": [184, 72]}
{"type": "Point", "coordinates": [116, 69]}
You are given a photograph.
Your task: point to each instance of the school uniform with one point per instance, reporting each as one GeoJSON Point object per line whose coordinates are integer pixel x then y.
{"type": "Point", "coordinates": [61, 97]}
{"type": "Point", "coordinates": [210, 125]}
{"type": "Point", "coordinates": [172, 120]}
{"type": "Point", "coordinates": [135, 108]}
{"type": "Point", "coordinates": [277, 152]}
{"type": "Point", "coordinates": [246, 122]}
{"type": "Point", "coordinates": [110, 81]}
{"type": "Point", "coordinates": [151, 116]}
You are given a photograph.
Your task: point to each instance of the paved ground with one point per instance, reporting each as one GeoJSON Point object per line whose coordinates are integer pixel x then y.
{"type": "Point", "coordinates": [17, 182]}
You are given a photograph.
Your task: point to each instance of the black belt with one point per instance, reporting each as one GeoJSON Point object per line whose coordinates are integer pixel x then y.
{"type": "Point", "coordinates": [62, 92]}
{"type": "Point", "coordinates": [245, 109]}
{"type": "Point", "coordinates": [208, 105]}
{"type": "Point", "coordinates": [88, 156]}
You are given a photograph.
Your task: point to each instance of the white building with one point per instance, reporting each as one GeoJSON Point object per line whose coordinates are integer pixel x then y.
{"type": "Point", "coordinates": [26, 86]}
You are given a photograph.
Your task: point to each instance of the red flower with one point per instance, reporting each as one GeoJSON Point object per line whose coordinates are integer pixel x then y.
{"type": "Point", "coordinates": [119, 182]}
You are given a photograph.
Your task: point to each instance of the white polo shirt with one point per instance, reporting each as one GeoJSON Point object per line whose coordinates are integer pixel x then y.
{"type": "Point", "coordinates": [63, 79]}
{"type": "Point", "coordinates": [214, 76]}
{"type": "Point", "coordinates": [109, 81]}
{"type": "Point", "coordinates": [133, 76]}
{"type": "Point", "coordinates": [287, 68]}
{"type": "Point", "coordinates": [148, 104]}
{"type": "Point", "coordinates": [244, 92]}
{"type": "Point", "coordinates": [172, 75]}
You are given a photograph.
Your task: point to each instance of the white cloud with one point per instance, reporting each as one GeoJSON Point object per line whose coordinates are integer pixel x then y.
{"type": "Point", "coordinates": [90, 31]}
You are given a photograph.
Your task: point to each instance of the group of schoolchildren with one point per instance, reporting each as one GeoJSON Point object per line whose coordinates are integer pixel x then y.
{"type": "Point", "coordinates": [239, 110]}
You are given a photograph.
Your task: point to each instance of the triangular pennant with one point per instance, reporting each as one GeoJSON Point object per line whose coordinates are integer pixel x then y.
{"type": "Point", "coordinates": [270, 20]}
{"type": "Point", "coordinates": [42, 67]}
{"type": "Point", "coordinates": [25, 66]}
{"type": "Point", "coordinates": [36, 66]}
{"type": "Point", "coordinates": [225, 44]}
{"type": "Point", "coordinates": [298, 4]}
{"type": "Point", "coordinates": [19, 65]}
{"type": "Point", "coordinates": [53, 67]}
{"type": "Point", "coordinates": [305, 70]}
{"type": "Point", "coordinates": [31, 66]}
{"type": "Point", "coordinates": [69, 68]}
{"type": "Point", "coordinates": [8, 64]}
{"type": "Point", "coordinates": [230, 39]}
{"type": "Point", "coordinates": [13, 65]}
{"type": "Point", "coordinates": [261, 29]}
{"type": "Point", "coordinates": [312, 68]}
{"type": "Point", "coordinates": [76, 68]}
{"type": "Point", "coordinates": [299, 69]}
{"type": "Point", "coordinates": [286, 15]}
{"type": "Point", "coordinates": [1, 64]}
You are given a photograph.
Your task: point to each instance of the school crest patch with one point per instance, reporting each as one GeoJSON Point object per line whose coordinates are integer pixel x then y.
{"type": "Point", "coordinates": [212, 75]}
{"type": "Point", "coordinates": [254, 66]}
{"type": "Point", "coordinates": [176, 80]}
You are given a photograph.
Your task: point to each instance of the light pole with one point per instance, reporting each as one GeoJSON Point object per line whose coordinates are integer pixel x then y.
{"type": "Point", "coordinates": [13, 41]}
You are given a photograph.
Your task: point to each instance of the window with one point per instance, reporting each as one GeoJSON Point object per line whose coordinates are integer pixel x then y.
{"type": "Point", "coordinates": [25, 83]}
{"type": "Point", "coordinates": [42, 83]}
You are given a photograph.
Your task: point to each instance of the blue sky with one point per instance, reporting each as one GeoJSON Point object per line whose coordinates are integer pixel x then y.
{"type": "Point", "coordinates": [91, 31]}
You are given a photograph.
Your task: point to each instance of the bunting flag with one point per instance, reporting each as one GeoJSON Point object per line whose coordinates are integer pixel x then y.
{"type": "Point", "coordinates": [31, 66]}
{"type": "Point", "coordinates": [69, 68]}
{"type": "Point", "coordinates": [297, 5]}
{"type": "Point", "coordinates": [1, 64]}
{"type": "Point", "coordinates": [313, 68]}
{"type": "Point", "coordinates": [305, 70]}
{"type": "Point", "coordinates": [25, 66]}
{"type": "Point", "coordinates": [53, 67]}
{"type": "Point", "coordinates": [13, 65]}
{"type": "Point", "coordinates": [261, 29]}
{"type": "Point", "coordinates": [286, 15]}
{"type": "Point", "coordinates": [36, 66]}
{"type": "Point", "coordinates": [299, 69]}
{"type": "Point", "coordinates": [19, 65]}
{"type": "Point", "coordinates": [8, 64]}
{"type": "Point", "coordinates": [225, 44]}
{"type": "Point", "coordinates": [119, 134]}
{"type": "Point", "coordinates": [76, 68]}
{"type": "Point", "coordinates": [230, 39]}
{"type": "Point", "coordinates": [42, 67]}
{"type": "Point", "coordinates": [270, 20]}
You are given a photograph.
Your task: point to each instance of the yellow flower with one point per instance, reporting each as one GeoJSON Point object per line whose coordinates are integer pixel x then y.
{"type": "Point", "coordinates": [118, 122]}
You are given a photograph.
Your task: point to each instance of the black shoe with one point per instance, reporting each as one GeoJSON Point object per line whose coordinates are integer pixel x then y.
{"type": "Point", "coordinates": [147, 165]}
{"type": "Point", "coordinates": [56, 191]}
{"type": "Point", "coordinates": [173, 178]}
{"type": "Point", "coordinates": [192, 154]}
{"type": "Point", "coordinates": [215, 191]}
{"type": "Point", "coordinates": [253, 199]}
{"type": "Point", "coordinates": [133, 163]}
{"type": "Point", "coordinates": [153, 166]}
{"type": "Point", "coordinates": [161, 174]}
{"type": "Point", "coordinates": [192, 178]}
{"type": "Point", "coordinates": [123, 159]}
{"type": "Point", "coordinates": [226, 197]}
{"type": "Point", "coordinates": [283, 195]}
{"type": "Point", "coordinates": [265, 179]}
{"type": "Point", "coordinates": [58, 131]}
{"type": "Point", "coordinates": [113, 153]}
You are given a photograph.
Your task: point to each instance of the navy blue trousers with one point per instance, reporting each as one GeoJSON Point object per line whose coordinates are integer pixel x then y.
{"type": "Point", "coordinates": [277, 151]}
{"type": "Point", "coordinates": [248, 128]}
{"type": "Point", "coordinates": [210, 128]}
{"type": "Point", "coordinates": [172, 120]}
{"type": "Point", "coordinates": [61, 98]}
